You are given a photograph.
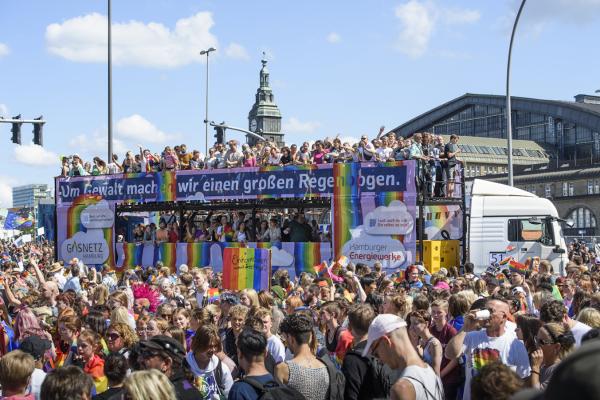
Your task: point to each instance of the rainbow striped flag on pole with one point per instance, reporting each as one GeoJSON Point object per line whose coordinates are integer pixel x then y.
{"type": "Point", "coordinates": [515, 266]}
{"type": "Point", "coordinates": [245, 268]}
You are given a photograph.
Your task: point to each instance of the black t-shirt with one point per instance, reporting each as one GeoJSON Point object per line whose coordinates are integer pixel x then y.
{"type": "Point", "coordinates": [110, 394]}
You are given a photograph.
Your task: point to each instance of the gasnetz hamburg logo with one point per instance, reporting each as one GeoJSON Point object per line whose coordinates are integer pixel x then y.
{"type": "Point", "coordinates": [90, 246]}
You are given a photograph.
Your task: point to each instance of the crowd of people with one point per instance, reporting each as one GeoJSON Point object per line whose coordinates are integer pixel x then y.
{"type": "Point", "coordinates": [227, 227]}
{"type": "Point", "coordinates": [437, 160]}
{"type": "Point", "coordinates": [70, 331]}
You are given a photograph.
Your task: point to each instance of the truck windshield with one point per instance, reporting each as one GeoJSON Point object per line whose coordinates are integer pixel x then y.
{"type": "Point", "coordinates": [522, 230]}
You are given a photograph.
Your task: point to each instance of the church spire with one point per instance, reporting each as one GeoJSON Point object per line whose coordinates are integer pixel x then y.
{"type": "Point", "coordinates": [264, 117]}
{"type": "Point", "coordinates": [264, 73]}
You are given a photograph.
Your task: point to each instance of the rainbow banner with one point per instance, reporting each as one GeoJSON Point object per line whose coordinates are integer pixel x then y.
{"type": "Point", "coordinates": [245, 268]}
{"type": "Point", "coordinates": [306, 256]}
{"type": "Point", "coordinates": [133, 255]}
{"type": "Point", "coordinates": [198, 254]}
{"type": "Point", "coordinates": [346, 203]}
{"type": "Point", "coordinates": [168, 255]}
{"type": "Point", "coordinates": [167, 186]}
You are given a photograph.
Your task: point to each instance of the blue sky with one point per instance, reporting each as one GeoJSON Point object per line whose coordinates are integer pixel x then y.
{"type": "Point", "coordinates": [343, 67]}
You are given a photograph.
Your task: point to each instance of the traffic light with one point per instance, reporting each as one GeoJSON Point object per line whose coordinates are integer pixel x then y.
{"type": "Point", "coordinates": [38, 131]}
{"type": "Point", "coordinates": [220, 134]}
{"type": "Point", "coordinates": [16, 130]}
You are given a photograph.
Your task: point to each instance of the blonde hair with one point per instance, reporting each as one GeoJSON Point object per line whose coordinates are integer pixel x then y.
{"type": "Point", "coordinates": [469, 295]}
{"type": "Point", "coordinates": [149, 384]}
{"type": "Point", "coordinates": [252, 295]}
{"type": "Point", "coordinates": [121, 297]}
{"type": "Point", "coordinates": [127, 334]}
{"type": "Point", "coordinates": [15, 369]}
{"type": "Point", "coordinates": [589, 316]}
{"type": "Point", "coordinates": [238, 310]}
{"type": "Point", "coordinates": [120, 314]}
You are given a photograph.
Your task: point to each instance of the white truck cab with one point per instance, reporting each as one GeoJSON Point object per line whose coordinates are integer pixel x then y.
{"type": "Point", "coordinates": [506, 221]}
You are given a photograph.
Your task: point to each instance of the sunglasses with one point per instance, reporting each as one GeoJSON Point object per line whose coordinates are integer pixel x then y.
{"type": "Point", "coordinates": [113, 336]}
{"type": "Point", "coordinates": [543, 342]}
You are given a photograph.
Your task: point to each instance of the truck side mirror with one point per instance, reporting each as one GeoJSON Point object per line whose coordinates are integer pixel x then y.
{"type": "Point", "coordinates": [558, 250]}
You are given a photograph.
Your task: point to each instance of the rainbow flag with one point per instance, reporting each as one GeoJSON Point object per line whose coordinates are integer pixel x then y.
{"type": "Point", "coordinates": [505, 260]}
{"type": "Point", "coordinates": [168, 255]}
{"type": "Point", "coordinates": [517, 267]}
{"type": "Point", "coordinates": [306, 256]}
{"type": "Point", "coordinates": [198, 254]}
{"type": "Point", "coordinates": [167, 186]}
{"type": "Point", "coordinates": [132, 255]}
{"type": "Point", "coordinates": [346, 203]}
{"type": "Point", "coordinates": [245, 267]}
{"type": "Point", "coordinates": [213, 295]}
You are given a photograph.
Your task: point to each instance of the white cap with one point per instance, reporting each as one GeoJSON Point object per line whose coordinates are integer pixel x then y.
{"type": "Point", "coordinates": [381, 326]}
{"type": "Point", "coordinates": [183, 269]}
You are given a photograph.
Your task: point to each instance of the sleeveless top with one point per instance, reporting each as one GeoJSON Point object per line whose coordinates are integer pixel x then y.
{"type": "Point", "coordinates": [312, 383]}
{"type": "Point", "coordinates": [426, 383]}
{"type": "Point", "coordinates": [427, 355]}
{"type": "Point", "coordinates": [331, 346]}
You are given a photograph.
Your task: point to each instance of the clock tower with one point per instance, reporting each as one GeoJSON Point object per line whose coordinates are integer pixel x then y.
{"type": "Point", "coordinates": [264, 118]}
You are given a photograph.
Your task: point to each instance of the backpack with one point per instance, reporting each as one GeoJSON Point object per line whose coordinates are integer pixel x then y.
{"type": "Point", "coordinates": [377, 372]}
{"type": "Point", "coordinates": [273, 390]}
{"type": "Point", "coordinates": [337, 380]}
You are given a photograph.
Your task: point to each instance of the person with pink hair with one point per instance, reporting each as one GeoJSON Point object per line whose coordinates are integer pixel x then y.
{"type": "Point", "coordinates": [146, 299]}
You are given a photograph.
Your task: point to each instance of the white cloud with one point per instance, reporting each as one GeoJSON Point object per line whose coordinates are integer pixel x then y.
{"type": "Point", "coordinates": [236, 51]}
{"type": "Point", "coordinates": [417, 23]}
{"type": "Point", "coordinates": [334, 37]}
{"type": "Point", "coordinates": [4, 50]}
{"type": "Point", "coordinates": [84, 39]}
{"type": "Point", "coordinates": [294, 125]}
{"type": "Point", "coordinates": [6, 185]}
{"type": "Point", "coordinates": [419, 19]}
{"type": "Point", "coordinates": [95, 144]}
{"type": "Point", "coordinates": [3, 110]}
{"type": "Point", "coordinates": [32, 154]}
{"type": "Point", "coordinates": [136, 127]}
{"type": "Point", "coordinates": [458, 16]}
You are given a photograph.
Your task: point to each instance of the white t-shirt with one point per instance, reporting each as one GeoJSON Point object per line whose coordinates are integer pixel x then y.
{"type": "Point", "coordinates": [510, 327]}
{"type": "Point", "coordinates": [276, 348]}
{"type": "Point", "coordinates": [579, 329]}
{"type": "Point", "coordinates": [35, 386]}
{"type": "Point", "coordinates": [480, 350]}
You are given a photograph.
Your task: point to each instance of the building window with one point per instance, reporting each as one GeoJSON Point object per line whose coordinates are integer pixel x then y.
{"type": "Point", "coordinates": [596, 186]}
{"type": "Point", "coordinates": [571, 189]}
{"type": "Point", "coordinates": [590, 186]}
{"type": "Point", "coordinates": [582, 217]}
{"type": "Point", "coordinates": [565, 189]}
{"type": "Point", "coordinates": [548, 190]}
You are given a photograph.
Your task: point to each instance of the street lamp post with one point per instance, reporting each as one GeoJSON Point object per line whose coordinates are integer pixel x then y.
{"type": "Point", "coordinates": [508, 105]}
{"type": "Point", "coordinates": [110, 138]}
{"type": "Point", "coordinates": [207, 52]}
